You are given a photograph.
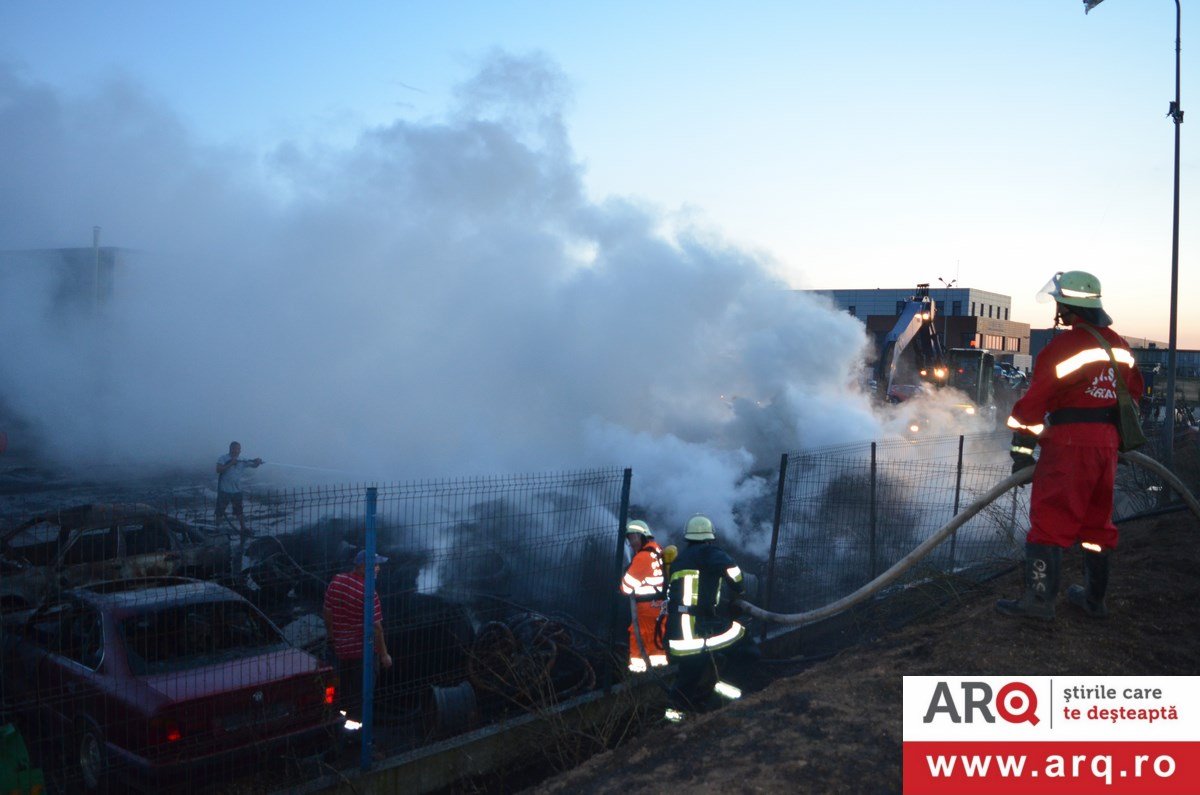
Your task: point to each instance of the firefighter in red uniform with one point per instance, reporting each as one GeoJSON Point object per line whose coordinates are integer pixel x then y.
{"type": "Point", "coordinates": [643, 584]}
{"type": "Point", "coordinates": [1070, 410]}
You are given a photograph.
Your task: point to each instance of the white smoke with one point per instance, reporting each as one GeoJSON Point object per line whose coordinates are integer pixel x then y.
{"type": "Point", "coordinates": [938, 413]}
{"type": "Point", "coordinates": [440, 298]}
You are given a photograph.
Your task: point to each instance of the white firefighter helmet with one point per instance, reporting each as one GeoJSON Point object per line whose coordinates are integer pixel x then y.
{"type": "Point", "coordinates": [638, 527]}
{"type": "Point", "coordinates": [1074, 288]}
{"type": "Point", "coordinates": [699, 528]}
{"type": "Point", "coordinates": [1079, 290]}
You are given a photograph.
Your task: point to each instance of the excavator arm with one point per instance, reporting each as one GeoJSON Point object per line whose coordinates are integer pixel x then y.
{"type": "Point", "coordinates": [915, 331]}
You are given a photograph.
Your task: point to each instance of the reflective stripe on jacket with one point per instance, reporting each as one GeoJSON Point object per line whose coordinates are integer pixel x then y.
{"type": "Point", "coordinates": [695, 622]}
{"type": "Point", "coordinates": [1074, 371]}
{"type": "Point", "coordinates": [643, 579]}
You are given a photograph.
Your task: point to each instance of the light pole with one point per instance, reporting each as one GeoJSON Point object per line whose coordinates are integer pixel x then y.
{"type": "Point", "coordinates": [1176, 114]}
{"type": "Point", "coordinates": [946, 324]}
{"type": "Point", "coordinates": [96, 269]}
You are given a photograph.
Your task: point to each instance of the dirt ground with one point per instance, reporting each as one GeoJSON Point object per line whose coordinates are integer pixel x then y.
{"type": "Point", "coordinates": [836, 727]}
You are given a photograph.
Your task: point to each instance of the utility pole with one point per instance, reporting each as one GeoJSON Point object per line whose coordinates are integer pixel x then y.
{"type": "Point", "coordinates": [96, 270]}
{"type": "Point", "coordinates": [1175, 112]}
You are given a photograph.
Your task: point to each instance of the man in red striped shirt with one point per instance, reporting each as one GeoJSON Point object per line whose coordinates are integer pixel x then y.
{"type": "Point", "coordinates": [343, 614]}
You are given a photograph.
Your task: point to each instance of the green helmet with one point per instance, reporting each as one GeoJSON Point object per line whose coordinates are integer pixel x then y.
{"type": "Point", "coordinates": [1073, 288]}
{"type": "Point", "coordinates": [638, 527]}
{"type": "Point", "coordinates": [699, 528]}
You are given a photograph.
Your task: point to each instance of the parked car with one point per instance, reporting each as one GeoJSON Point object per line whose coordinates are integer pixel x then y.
{"type": "Point", "coordinates": [93, 543]}
{"type": "Point", "coordinates": [151, 681]}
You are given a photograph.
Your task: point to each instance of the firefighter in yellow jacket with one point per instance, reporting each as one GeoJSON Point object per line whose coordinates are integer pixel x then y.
{"type": "Point", "coordinates": [643, 584]}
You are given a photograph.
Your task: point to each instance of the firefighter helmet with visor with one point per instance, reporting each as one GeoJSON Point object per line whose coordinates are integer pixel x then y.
{"type": "Point", "coordinates": [1078, 292]}
{"type": "Point", "coordinates": [1073, 288]}
{"type": "Point", "coordinates": [638, 527]}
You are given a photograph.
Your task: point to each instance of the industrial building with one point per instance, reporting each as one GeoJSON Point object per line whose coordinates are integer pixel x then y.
{"type": "Point", "coordinates": [1148, 353]}
{"type": "Point", "coordinates": [1187, 362]}
{"type": "Point", "coordinates": [78, 278]}
{"type": "Point", "coordinates": [966, 317]}
{"type": "Point", "coordinates": [1144, 349]}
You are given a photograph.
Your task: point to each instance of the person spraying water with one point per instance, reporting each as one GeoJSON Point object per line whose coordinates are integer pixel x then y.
{"type": "Point", "coordinates": [229, 484]}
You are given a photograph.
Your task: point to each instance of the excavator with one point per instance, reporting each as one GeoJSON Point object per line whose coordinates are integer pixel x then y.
{"type": "Point", "coordinates": [912, 354]}
{"type": "Point", "coordinates": [914, 359]}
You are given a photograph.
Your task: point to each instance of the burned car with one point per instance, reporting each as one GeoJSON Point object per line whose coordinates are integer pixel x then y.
{"type": "Point", "coordinates": [93, 543]}
{"type": "Point", "coordinates": [141, 682]}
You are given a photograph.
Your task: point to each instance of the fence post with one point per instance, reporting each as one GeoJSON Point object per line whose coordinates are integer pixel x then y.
{"type": "Point", "coordinates": [768, 602]}
{"type": "Point", "coordinates": [615, 622]}
{"type": "Point", "coordinates": [874, 562]}
{"type": "Point", "coordinates": [368, 676]}
{"type": "Point", "coordinates": [957, 497]}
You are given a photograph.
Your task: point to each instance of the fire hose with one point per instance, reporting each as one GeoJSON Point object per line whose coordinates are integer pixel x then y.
{"type": "Point", "coordinates": [928, 545]}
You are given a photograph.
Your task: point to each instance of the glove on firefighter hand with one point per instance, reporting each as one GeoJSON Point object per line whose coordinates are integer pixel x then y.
{"type": "Point", "coordinates": [1022, 442]}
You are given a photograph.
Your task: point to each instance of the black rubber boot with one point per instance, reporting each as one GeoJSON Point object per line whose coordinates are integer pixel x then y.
{"type": "Point", "coordinates": [1042, 564]}
{"type": "Point", "coordinates": [1089, 597]}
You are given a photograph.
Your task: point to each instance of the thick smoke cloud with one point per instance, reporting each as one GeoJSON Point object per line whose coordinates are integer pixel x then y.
{"type": "Point", "coordinates": [440, 298]}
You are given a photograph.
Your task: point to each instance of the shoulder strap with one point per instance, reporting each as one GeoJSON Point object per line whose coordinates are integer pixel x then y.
{"type": "Point", "coordinates": [1124, 390]}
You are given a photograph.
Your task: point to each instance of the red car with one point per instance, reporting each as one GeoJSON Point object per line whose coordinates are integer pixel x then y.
{"type": "Point", "coordinates": [164, 680]}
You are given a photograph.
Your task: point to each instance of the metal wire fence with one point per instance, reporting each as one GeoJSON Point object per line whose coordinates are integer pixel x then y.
{"type": "Point", "coordinates": [159, 647]}
{"type": "Point", "coordinates": [847, 513]}
{"type": "Point", "coordinates": [1185, 458]}
{"type": "Point", "coordinates": [498, 597]}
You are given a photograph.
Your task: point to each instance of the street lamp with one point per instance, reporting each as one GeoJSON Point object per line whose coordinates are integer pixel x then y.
{"type": "Point", "coordinates": [946, 324]}
{"type": "Point", "coordinates": [96, 269]}
{"type": "Point", "coordinates": [1176, 114]}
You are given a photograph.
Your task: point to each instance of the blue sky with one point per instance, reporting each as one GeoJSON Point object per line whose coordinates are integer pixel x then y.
{"type": "Point", "coordinates": [854, 144]}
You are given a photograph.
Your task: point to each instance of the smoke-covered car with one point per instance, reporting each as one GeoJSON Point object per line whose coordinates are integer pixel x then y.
{"type": "Point", "coordinates": [94, 543]}
{"type": "Point", "coordinates": [145, 681]}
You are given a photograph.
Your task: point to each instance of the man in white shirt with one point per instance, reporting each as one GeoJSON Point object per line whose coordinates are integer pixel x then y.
{"type": "Point", "coordinates": [229, 483]}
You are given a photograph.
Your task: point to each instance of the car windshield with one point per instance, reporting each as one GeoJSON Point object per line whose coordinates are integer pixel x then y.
{"type": "Point", "coordinates": [191, 636]}
{"type": "Point", "coordinates": [37, 544]}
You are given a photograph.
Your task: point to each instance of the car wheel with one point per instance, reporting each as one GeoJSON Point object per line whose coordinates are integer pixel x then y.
{"type": "Point", "coordinates": [92, 757]}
